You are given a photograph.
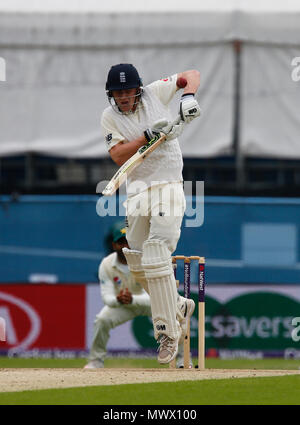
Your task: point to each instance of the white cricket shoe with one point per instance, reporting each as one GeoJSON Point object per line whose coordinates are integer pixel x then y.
{"type": "Point", "coordinates": [168, 349]}
{"type": "Point", "coordinates": [94, 364]}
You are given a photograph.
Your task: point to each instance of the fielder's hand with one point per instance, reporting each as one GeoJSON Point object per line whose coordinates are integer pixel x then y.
{"type": "Point", "coordinates": [124, 297]}
{"type": "Point", "coordinates": [189, 108]}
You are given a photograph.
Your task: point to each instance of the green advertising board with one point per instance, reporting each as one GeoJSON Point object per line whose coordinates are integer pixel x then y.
{"type": "Point", "coordinates": [239, 318]}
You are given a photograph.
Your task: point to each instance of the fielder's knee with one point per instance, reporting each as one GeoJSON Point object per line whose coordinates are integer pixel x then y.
{"type": "Point", "coordinates": [103, 322]}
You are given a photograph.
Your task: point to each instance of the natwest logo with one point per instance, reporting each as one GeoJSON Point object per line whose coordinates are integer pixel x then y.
{"type": "Point", "coordinates": [22, 322]}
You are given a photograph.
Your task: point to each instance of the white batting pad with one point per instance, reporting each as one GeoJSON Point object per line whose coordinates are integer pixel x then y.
{"type": "Point", "coordinates": [134, 261]}
{"type": "Point", "coordinates": [162, 288]}
{"type": "Point", "coordinates": [163, 306]}
{"type": "Point", "coordinates": [156, 259]}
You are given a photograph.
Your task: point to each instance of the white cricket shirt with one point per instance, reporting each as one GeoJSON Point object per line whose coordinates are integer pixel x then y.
{"type": "Point", "coordinates": [164, 165]}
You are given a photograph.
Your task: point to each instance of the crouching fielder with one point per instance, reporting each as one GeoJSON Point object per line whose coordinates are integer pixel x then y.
{"type": "Point", "coordinates": [156, 203]}
{"type": "Point", "coordinates": [123, 297]}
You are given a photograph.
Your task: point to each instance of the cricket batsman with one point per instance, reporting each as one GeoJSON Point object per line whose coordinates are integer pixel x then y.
{"type": "Point", "coordinates": [155, 198]}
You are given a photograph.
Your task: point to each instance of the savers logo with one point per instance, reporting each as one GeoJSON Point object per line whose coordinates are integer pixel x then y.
{"type": "Point", "coordinates": [250, 321]}
{"type": "Point", "coordinates": [15, 310]}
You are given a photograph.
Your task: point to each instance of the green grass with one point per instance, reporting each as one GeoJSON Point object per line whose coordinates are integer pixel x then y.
{"type": "Point", "coordinates": [77, 363]}
{"type": "Point", "coordinates": [246, 391]}
{"type": "Point", "coordinates": [149, 363]}
{"type": "Point", "coordinates": [270, 390]}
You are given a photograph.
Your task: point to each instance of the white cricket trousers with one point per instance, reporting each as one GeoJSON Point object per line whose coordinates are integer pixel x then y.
{"type": "Point", "coordinates": [156, 213]}
{"type": "Point", "coordinates": [109, 318]}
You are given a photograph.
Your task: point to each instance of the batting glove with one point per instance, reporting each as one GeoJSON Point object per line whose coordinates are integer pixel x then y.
{"type": "Point", "coordinates": [174, 131]}
{"type": "Point", "coordinates": [189, 108]}
{"type": "Point", "coordinates": [154, 132]}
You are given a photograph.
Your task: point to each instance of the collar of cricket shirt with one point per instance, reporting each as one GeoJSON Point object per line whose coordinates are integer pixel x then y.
{"type": "Point", "coordinates": [121, 267]}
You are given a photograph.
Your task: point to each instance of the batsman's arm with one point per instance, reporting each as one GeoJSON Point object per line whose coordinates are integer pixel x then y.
{"type": "Point", "coordinates": [192, 77]}
{"type": "Point", "coordinates": [119, 148]}
{"type": "Point", "coordinates": [121, 152]}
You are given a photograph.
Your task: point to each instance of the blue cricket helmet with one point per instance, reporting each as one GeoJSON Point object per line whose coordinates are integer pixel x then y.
{"type": "Point", "coordinates": [122, 77]}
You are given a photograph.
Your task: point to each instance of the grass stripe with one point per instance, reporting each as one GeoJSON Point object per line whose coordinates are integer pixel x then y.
{"type": "Point", "coordinates": [283, 390]}
{"type": "Point", "coordinates": [120, 362]}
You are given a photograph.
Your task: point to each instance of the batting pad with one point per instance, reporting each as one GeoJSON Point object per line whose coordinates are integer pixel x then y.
{"type": "Point", "coordinates": [156, 261]}
{"type": "Point", "coordinates": [134, 261]}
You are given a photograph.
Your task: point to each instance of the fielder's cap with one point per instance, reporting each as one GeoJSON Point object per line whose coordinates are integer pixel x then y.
{"type": "Point", "coordinates": [122, 77]}
{"type": "Point", "coordinates": [118, 231]}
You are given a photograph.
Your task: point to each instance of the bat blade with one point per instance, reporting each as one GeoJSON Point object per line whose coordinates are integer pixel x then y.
{"type": "Point", "coordinates": [127, 168]}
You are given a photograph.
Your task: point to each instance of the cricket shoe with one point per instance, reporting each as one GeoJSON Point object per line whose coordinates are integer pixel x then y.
{"type": "Point", "coordinates": [167, 349]}
{"type": "Point", "coordinates": [94, 364]}
{"type": "Point", "coordinates": [187, 307]}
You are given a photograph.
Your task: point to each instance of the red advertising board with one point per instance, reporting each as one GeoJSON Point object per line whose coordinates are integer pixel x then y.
{"type": "Point", "coordinates": [40, 316]}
